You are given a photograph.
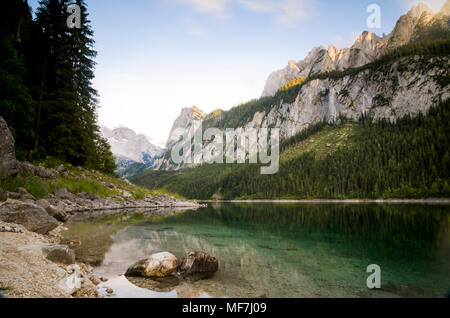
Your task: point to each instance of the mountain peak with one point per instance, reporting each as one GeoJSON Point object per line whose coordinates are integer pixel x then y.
{"type": "Point", "coordinates": [419, 9]}
{"type": "Point", "coordinates": [187, 116]}
{"type": "Point", "coordinates": [192, 112]}
{"type": "Point", "coordinates": [125, 143]}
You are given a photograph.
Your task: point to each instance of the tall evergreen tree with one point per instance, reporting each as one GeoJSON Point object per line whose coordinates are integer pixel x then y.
{"type": "Point", "coordinates": [16, 104]}
{"type": "Point", "coordinates": [66, 114]}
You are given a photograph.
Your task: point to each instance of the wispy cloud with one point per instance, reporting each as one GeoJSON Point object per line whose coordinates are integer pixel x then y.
{"type": "Point", "coordinates": [216, 7]}
{"type": "Point", "coordinates": [285, 12]}
{"type": "Point", "coordinates": [194, 28]}
{"type": "Point", "coordinates": [293, 11]}
{"type": "Point", "coordinates": [259, 5]}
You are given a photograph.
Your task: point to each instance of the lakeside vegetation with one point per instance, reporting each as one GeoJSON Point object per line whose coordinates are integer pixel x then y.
{"type": "Point", "coordinates": [77, 180]}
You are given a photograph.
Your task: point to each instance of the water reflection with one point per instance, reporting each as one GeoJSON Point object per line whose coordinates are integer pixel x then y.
{"type": "Point", "coordinates": [295, 250]}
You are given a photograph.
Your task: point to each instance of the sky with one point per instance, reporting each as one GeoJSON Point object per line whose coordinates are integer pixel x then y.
{"type": "Point", "coordinates": [157, 56]}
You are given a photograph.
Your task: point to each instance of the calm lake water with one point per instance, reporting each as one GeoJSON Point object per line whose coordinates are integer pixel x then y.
{"type": "Point", "coordinates": [282, 250]}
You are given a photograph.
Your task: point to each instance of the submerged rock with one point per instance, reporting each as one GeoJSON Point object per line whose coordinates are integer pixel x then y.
{"type": "Point", "coordinates": [157, 265]}
{"type": "Point", "coordinates": [198, 265]}
{"type": "Point", "coordinates": [59, 253]}
{"type": "Point", "coordinates": [95, 280]}
{"type": "Point", "coordinates": [31, 216]}
{"type": "Point", "coordinates": [158, 284]}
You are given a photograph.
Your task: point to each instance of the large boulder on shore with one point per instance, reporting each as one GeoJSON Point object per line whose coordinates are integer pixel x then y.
{"type": "Point", "coordinates": [198, 265]}
{"type": "Point", "coordinates": [57, 213]}
{"type": "Point", "coordinates": [63, 194]}
{"type": "Point", "coordinates": [31, 216]}
{"type": "Point", "coordinates": [8, 163]}
{"type": "Point", "coordinates": [157, 265]}
{"type": "Point", "coordinates": [38, 171]}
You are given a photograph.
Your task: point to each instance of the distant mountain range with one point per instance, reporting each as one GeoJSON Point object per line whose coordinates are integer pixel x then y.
{"type": "Point", "coordinates": [131, 150]}
{"type": "Point", "coordinates": [420, 23]}
{"type": "Point", "coordinates": [326, 85]}
{"type": "Point", "coordinates": [330, 83]}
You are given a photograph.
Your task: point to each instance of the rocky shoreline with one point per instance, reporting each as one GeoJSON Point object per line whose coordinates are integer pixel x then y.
{"type": "Point", "coordinates": [30, 235]}
{"type": "Point", "coordinates": [431, 201]}
{"type": "Point", "coordinates": [33, 263]}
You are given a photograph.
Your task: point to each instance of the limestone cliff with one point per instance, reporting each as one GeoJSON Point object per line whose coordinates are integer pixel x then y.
{"type": "Point", "coordinates": [418, 24]}
{"type": "Point", "coordinates": [184, 121]}
{"type": "Point", "coordinates": [408, 86]}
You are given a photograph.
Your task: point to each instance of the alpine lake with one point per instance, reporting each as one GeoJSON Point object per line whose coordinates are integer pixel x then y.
{"type": "Point", "coordinates": [279, 249]}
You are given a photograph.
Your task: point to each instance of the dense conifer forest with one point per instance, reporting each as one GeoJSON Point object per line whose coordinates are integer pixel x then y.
{"type": "Point", "coordinates": [46, 93]}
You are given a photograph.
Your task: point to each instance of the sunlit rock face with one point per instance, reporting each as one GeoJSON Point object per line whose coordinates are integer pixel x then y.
{"type": "Point", "coordinates": [184, 121]}
{"type": "Point", "coordinates": [408, 86]}
{"type": "Point", "coordinates": [367, 48]}
{"type": "Point", "coordinates": [399, 89]}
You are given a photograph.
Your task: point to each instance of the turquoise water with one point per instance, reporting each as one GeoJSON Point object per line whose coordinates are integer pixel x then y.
{"type": "Point", "coordinates": [296, 250]}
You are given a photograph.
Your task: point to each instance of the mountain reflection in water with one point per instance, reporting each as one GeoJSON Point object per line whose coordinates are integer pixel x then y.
{"type": "Point", "coordinates": [291, 250]}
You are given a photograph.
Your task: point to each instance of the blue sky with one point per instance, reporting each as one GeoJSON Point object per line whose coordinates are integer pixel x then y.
{"type": "Point", "coordinates": [158, 56]}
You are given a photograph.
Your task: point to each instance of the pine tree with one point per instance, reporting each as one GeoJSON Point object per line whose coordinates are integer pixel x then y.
{"type": "Point", "coordinates": [16, 104]}
{"type": "Point", "coordinates": [66, 122]}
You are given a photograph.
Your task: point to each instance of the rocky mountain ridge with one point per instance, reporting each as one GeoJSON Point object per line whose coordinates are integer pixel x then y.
{"type": "Point", "coordinates": [184, 121]}
{"type": "Point", "coordinates": [367, 48]}
{"type": "Point", "coordinates": [406, 86]}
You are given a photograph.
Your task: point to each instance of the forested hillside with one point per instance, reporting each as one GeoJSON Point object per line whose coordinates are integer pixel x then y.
{"type": "Point", "coordinates": [46, 93]}
{"type": "Point", "coordinates": [364, 159]}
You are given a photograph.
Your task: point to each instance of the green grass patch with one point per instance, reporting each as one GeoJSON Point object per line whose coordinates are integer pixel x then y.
{"type": "Point", "coordinates": [321, 144]}
{"type": "Point", "coordinates": [34, 185]}
{"type": "Point", "coordinates": [84, 185]}
{"type": "Point", "coordinates": [139, 194]}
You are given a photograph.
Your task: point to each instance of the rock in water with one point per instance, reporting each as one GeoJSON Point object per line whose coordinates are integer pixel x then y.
{"type": "Point", "coordinates": [31, 216]}
{"type": "Point", "coordinates": [8, 163]}
{"type": "Point", "coordinates": [158, 284]}
{"type": "Point", "coordinates": [198, 265]}
{"type": "Point", "coordinates": [157, 265]}
{"type": "Point", "coordinates": [95, 280]}
{"type": "Point", "coordinates": [59, 253]}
